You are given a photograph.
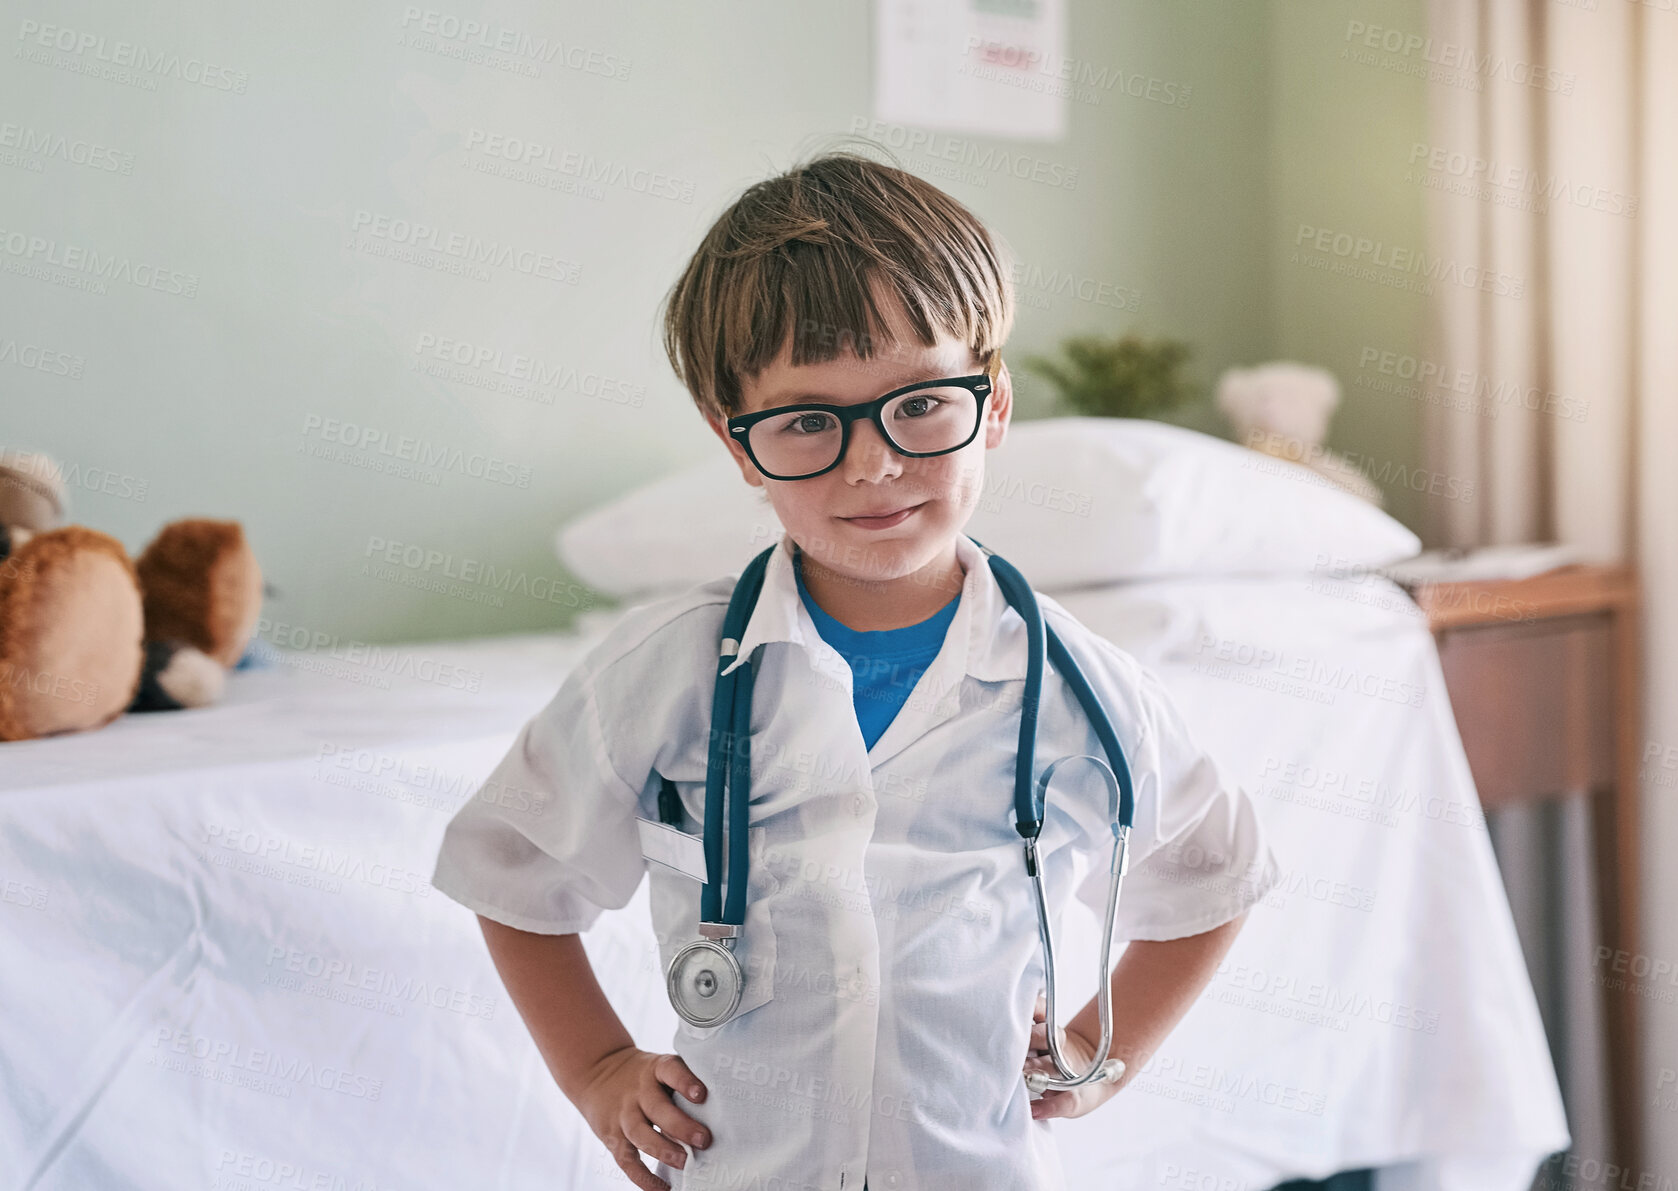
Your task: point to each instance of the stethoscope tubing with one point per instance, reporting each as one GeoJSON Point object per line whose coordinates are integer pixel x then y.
{"type": "Point", "coordinates": [1027, 811]}
{"type": "Point", "coordinates": [728, 786]}
{"type": "Point", "coordinates": [731, 702]}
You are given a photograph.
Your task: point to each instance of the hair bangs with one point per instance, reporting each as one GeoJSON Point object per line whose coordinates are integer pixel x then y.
{"type": "Point", "coordinates": [803, 263]}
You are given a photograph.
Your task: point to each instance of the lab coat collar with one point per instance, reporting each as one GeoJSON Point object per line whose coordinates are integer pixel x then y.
{"type": "Point", "coordinates": [982, 648]}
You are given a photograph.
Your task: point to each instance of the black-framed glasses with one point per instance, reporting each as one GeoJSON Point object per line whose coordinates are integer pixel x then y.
{"type": "Point", "coordinates": [929, 417]}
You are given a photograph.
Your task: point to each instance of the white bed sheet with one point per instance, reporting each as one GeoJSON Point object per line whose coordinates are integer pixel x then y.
{"type": "Point", "coordinates": [221, 965]}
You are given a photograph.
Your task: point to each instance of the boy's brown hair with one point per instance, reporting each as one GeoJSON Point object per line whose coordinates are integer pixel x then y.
{"type": "Point", "coordinates": [800, 254]}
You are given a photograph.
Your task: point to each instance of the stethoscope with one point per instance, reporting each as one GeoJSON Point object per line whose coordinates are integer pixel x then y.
{"type": "Point", "coordinates": [705, 980]}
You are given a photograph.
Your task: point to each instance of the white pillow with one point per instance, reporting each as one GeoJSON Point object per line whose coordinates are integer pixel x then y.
{"type": "Point", "coordinates": [1078, 501]}
{"type": "Point", "coordinates": [690, 527]}
{"type": "Point", "coordinates": [1070, 501]}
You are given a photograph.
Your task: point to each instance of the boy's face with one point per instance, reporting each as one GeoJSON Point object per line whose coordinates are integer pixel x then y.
{"type": "Point", "coordinates": [829, 515]}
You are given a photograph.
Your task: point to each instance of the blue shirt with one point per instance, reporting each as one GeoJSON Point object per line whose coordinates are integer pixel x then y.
{"type": "Point", "coordinates": [885, 664]}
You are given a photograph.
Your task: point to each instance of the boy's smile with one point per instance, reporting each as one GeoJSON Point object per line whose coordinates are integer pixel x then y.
{"type": "Point", "coordinates": [878, 531]}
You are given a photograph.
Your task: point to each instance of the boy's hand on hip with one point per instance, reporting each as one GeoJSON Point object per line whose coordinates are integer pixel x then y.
{"type": "Point", "coordinates": [1079, 1053]}
{"type": "Point", "coordinates": [628, 1092]}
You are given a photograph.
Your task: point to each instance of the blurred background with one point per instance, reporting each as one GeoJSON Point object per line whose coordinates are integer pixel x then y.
{"type": "Point", "coordinates": [305, 214]}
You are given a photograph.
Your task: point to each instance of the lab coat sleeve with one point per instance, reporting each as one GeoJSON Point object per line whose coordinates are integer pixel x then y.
{"type": "Point", "coordinates": [549, 841]}
{"type": "Point", "coordinates": [1199, 855]}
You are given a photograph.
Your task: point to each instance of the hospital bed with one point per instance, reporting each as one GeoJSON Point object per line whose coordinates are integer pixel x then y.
{"type": "Point", "coordinates": [222, 966]}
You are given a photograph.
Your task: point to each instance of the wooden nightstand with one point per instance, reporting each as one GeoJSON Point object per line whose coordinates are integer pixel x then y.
{"type": "Point", "coordinates": [1543, 675]}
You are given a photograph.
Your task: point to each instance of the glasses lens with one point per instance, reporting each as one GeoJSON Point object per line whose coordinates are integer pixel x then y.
{"type": "Point", "coordinates": [797, 443]}
{"type": "Point", "coordinates": [924, 421]}
{"type": "Point", "coordinates": [940, 418]}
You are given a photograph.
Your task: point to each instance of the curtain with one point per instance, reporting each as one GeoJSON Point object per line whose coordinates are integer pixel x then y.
{"type": "Point", "coordinates": [1556, 147]}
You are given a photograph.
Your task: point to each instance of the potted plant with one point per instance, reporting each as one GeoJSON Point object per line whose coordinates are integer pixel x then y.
{"type": "Point", "coordinates": [1125, 376]}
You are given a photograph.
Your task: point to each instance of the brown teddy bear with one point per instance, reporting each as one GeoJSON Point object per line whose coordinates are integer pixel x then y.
{"type": "Point", "coordinates": [85, 633]}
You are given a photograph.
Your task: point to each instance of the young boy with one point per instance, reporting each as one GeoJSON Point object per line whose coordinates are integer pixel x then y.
{"type": "Point", "coordinates": [890, 946]}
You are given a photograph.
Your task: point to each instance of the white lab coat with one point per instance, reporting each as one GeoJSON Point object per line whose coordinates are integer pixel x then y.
{"type": "Point", "coordinates": [890, 944]}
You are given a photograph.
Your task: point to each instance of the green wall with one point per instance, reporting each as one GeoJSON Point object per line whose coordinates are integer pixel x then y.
{"type": "Point", "coordinates": [1341, 135]}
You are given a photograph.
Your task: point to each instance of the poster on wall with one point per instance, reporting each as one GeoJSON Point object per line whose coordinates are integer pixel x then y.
{"type": "Point", "coordinates": [993, 67]}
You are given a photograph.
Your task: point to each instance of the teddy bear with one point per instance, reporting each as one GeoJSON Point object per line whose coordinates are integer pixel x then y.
{"type": "Point", "coordinates": [87, 633]}
{"type": "Point", "coordinates": [1282, 409]}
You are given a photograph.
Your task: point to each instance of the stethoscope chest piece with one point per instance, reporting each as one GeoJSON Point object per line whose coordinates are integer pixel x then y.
{"type": "Point", "coordinates": [705, 983]}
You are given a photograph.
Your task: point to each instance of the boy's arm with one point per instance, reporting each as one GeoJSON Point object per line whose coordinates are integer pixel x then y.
{"type": "Point", "coordinates": [621, 1091]}
{"type": "Point", "coordinates": [552, 984]}
{"type": "Point", "coordinates": [1153, 985]}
